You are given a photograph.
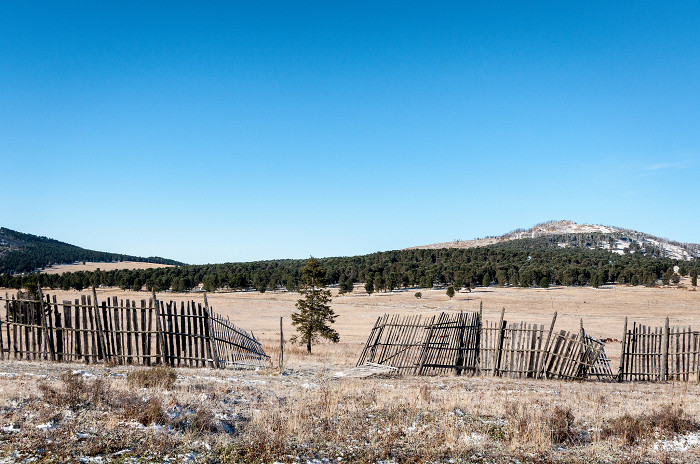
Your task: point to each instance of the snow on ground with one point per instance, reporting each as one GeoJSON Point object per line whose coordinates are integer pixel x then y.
{"type": "Point", "coordinates": [679, 442]}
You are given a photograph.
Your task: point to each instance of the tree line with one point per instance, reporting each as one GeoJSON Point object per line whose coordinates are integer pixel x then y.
{"type": "Point", "coordinates": [525, 263]}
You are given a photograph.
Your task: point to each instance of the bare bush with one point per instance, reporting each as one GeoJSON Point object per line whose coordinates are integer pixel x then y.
{"type": "Point", "coordinates": [74, 392]}
{"type": "Point", "coordinates": [628, 429]}
{"type": "Point", "coordinates": [538, 424]}
{"type": "Point", "coordinates": [672, 418]}
{"type": "Point", "coordinates": [633, 429]}
{"type": "Point", "coordinates": [150, 412]}
{"type": "Point", "coordinates": [154, 377]}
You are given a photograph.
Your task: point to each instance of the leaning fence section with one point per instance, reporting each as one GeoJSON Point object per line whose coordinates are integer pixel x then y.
{"type": "Point", "coordinates": [462, 342]}
{"type": "Point", "coordinates": [234, 346]}
{"type": "Point", "coordinates": [659, 353]}
{"type": "Point", "coordinates": [433, 345]}
{"type": "Point", "coordinates": [572, 356]}
{"type": "Point", "coordinates": [123, 331]}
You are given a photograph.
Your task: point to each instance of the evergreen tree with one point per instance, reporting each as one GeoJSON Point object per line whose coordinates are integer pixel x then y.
{"type": "Point", "coordinates": [501, 277]}
{"type": "Point", "coordinates": [369, 286]}
{"type": "Point", "coordinates": [486, 281]}
{"type": "Point", "coordinates": [450, 291]}
{"type": "Point", "coordinates": [544, 282]}
{"type": "Point", "coordinates": [378, 283]}
{"type": "Point", "coordinates": [314, 316]}
{"type": "Point", "coordinates": [290, 284]}
{"type": "Point", "coordinates": [666, 276]}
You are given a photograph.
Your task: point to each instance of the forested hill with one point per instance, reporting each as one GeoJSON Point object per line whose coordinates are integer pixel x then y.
{"type": "Point", "coordinates": [530, 262]}
{"type": "Point", "coordinates": [21, 252]}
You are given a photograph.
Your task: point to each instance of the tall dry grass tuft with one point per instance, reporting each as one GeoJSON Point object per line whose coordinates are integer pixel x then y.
{"type": "Point", "coordinates": [538, 425]}
{"type": "Point", "coordinates": [667, 419]}
{"type": "Point", "coordinates": [74, 392]}
{"type": "Point", "coordinates": [154, 377]}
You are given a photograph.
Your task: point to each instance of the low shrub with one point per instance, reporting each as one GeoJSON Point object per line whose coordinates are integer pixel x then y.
{"type": "Point", "coordinates": [672, 419]}
{"type": "Point", "coordinates": [635, 429]}
{"type": "Point", "coordinates": [539, 424]}
{"type": "Point", "coordinates": [75, 392]}
{"type": "Point", "coordinates": [149, 413]}
{"type": "Point", "coordinates": [628, 429]}
{"type": "Point", "coordinates": [153, 377]}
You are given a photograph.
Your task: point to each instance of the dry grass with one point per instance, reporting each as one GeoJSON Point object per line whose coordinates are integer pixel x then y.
{"type": "Point", "coordinates": [603, 311]}
{"type": "Point", "coordinates": [91, 267]}
{"type": "Point", "coordinates": [119, 413]}
{"type": "Point", "coordinates": [244, 416]}
{"type": "Point", "coordinates": [158, 376]}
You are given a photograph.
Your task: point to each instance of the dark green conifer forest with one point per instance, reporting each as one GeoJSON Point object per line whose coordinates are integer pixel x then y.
{"type": "Point", "coordinates": [524, 263]}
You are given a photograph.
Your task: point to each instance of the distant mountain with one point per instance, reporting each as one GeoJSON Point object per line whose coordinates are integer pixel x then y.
{"type": "Point", "coordinates": [21, 252]}
{"type": "Point", "coordinates": [570, 234]}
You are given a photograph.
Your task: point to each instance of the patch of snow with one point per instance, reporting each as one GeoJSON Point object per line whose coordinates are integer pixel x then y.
{"type": "Point", "coordinates": [679, 442]}
{"type": "Point", "coordinates": [84, 374]}
{"type": "Point", "coordinates": [89, 459]}
{"type": "Point", "coordinates": [9, 429]}
{"type": "Point", "coordinates": [46, 426]}
{"type": "Point", "coordinates": [309, 385]}
{"type": "Point", "coordinates": [473, 438]}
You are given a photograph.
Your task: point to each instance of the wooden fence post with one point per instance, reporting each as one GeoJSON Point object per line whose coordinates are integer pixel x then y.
{"type": "Point", "coordinates": [499, 344]}
{"type": "Point", "coordinates": [210, 333]}
{"type": "Point", "coordinates": [582, 371]}
{"type": "Point", "coordinates": [48, 336]}
{"type": "Point", "coordinates": [663, 375]}
{"type": "Point", "coordinates": [545, 356]}
{"type": "Point", "coordinates": [426, 346]}
{"type": "Point", "coordinates": [101, 337]}
{"type": "Point", "coordinates": [477, 356]}
{"type": "Point", "coordinates": [281, 348]}
{"type": "Point", "coordinates": [159, 326]}
{"type": "Point", "coordinates": [623, 353]}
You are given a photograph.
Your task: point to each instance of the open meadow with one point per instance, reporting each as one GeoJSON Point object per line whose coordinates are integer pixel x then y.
{"type": "Point", "coordinates": [89, 266]}
{"type": "Point", "coordinates": [313, 412]}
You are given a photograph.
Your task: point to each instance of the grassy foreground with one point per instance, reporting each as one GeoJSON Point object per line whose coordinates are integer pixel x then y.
{"type": "Point", "coordinates": [74, 413]}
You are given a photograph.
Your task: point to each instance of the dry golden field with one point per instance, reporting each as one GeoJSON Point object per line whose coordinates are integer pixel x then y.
{"type": "Point", "coordinates": [88, 413]}
{"type": "Point", "coordinates": [91, 267]}
{"type": "Point", "coordinates": [603, 310]}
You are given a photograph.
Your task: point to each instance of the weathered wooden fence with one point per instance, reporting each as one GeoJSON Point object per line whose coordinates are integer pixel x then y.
{"type": "Point", "coordinates": [514, 350]}
{"type": "Point", "coordinates": [659, 353]}
{"type": "Point", "coordinates": [421, 346]}
{"type": "Point", "coordinates": [462, 342]}
{"type": "Point", "coordinates": [118, 331]}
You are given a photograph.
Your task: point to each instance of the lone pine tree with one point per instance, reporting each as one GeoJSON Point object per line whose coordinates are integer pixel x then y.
{"type": "Point", "coordinates": [314, 316]}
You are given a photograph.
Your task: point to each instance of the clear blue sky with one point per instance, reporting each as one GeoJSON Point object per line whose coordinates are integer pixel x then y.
{"type": "Point", "coordinates": [237, 131]}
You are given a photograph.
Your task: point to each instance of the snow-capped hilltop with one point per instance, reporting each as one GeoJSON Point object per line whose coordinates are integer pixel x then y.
{"type": "Point", "coordinates": [568, 233]}
{"type": "Point", "coordinates": [558, 228]}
